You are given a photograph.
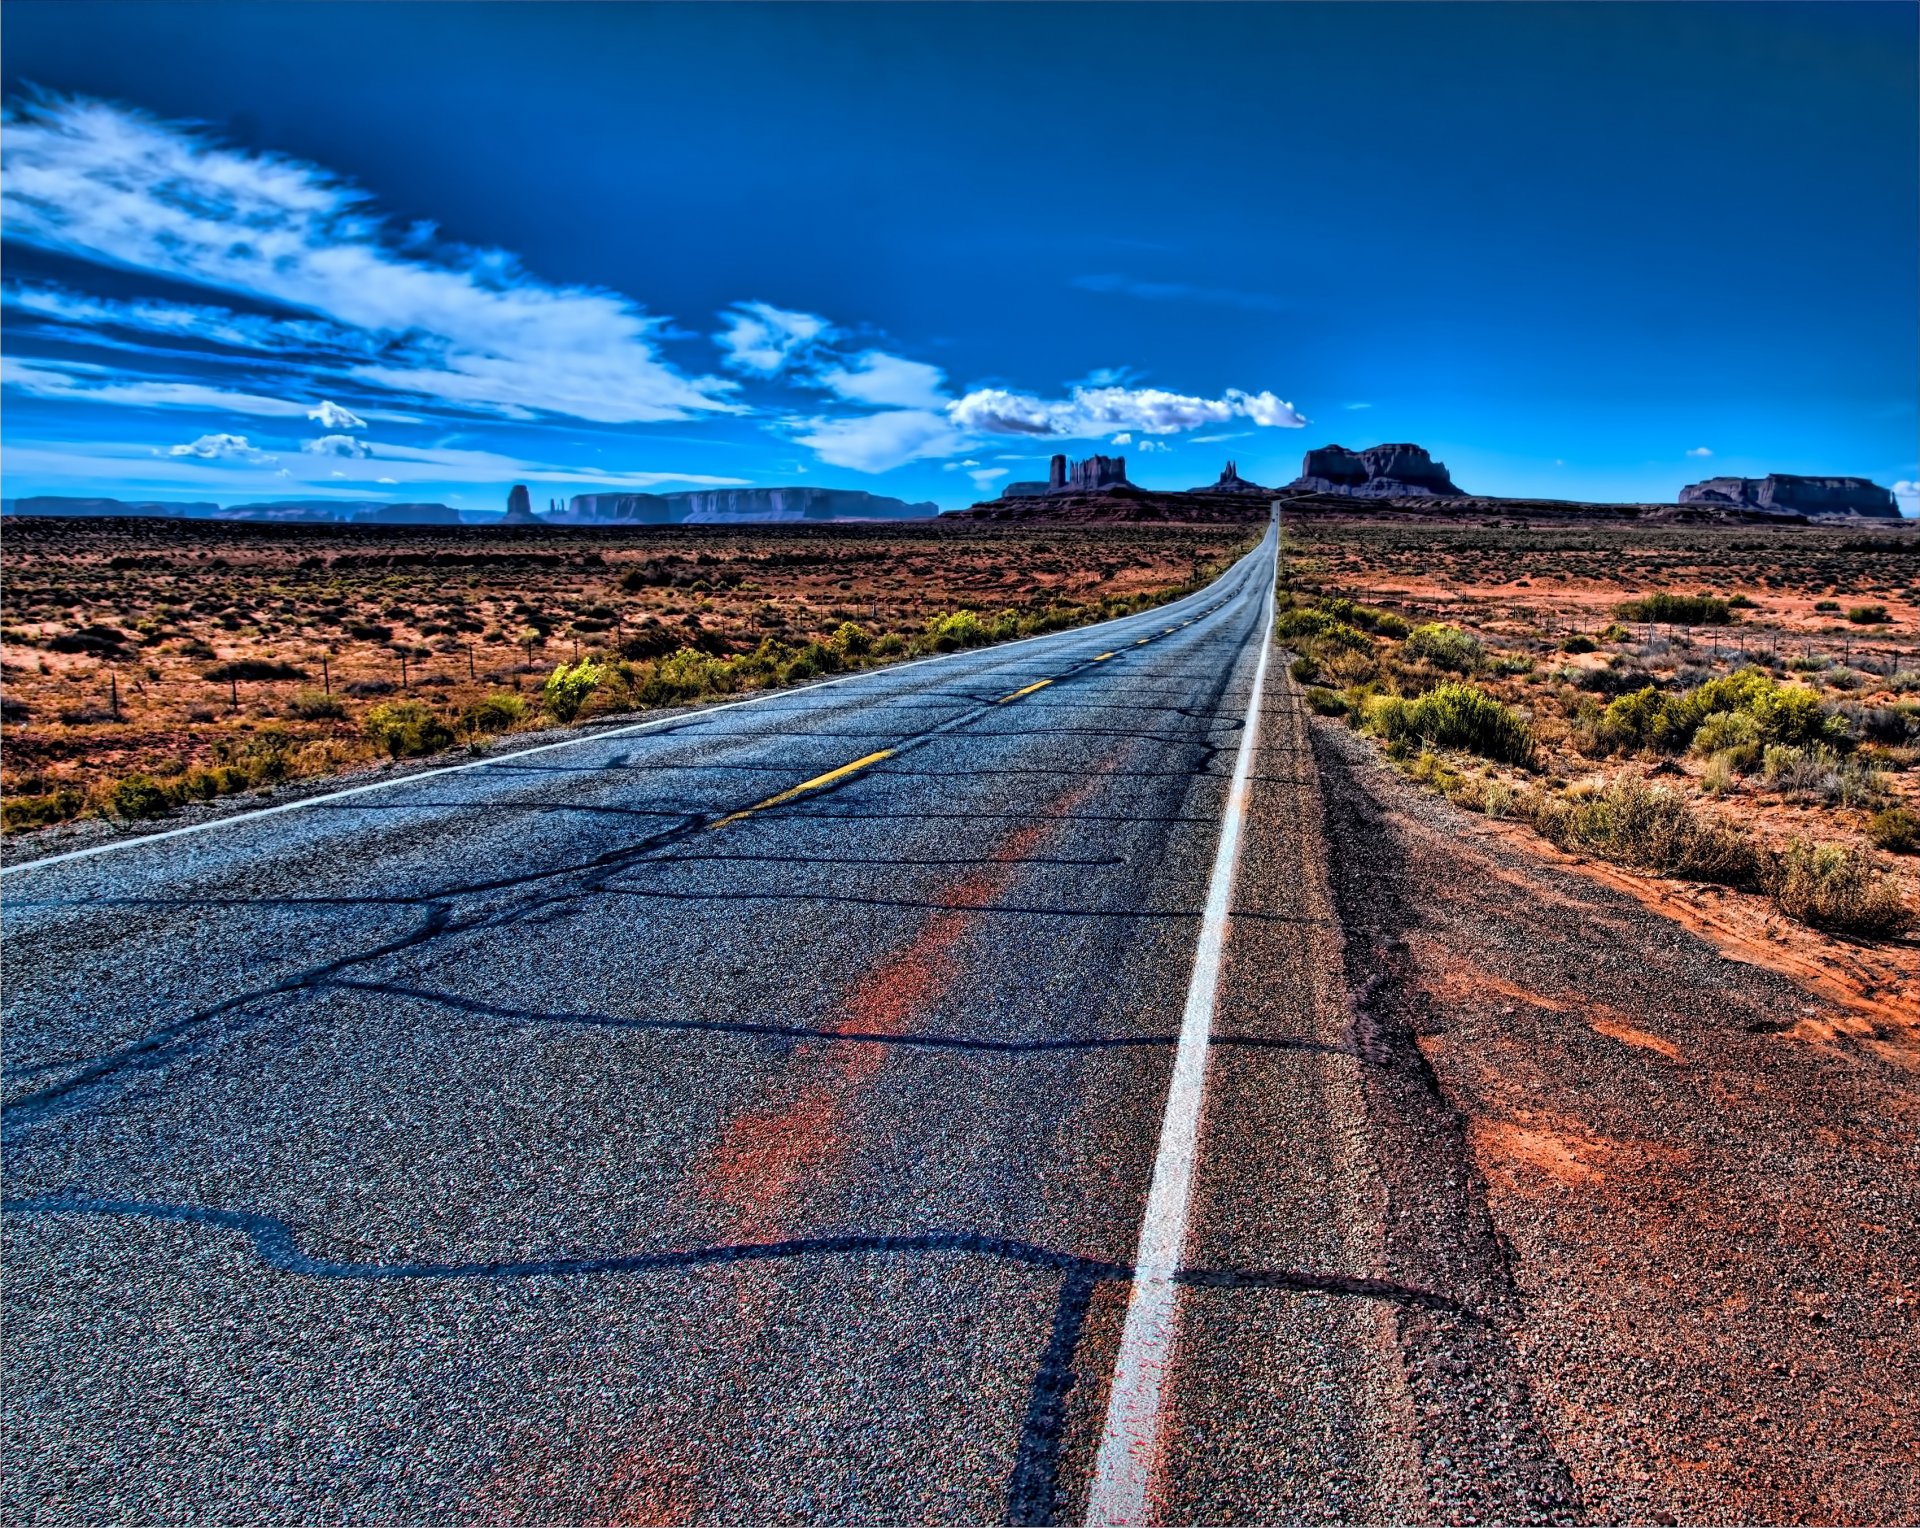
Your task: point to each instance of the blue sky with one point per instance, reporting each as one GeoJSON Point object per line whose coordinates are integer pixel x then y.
{"type": "Point", "coordinates": [424, 252]}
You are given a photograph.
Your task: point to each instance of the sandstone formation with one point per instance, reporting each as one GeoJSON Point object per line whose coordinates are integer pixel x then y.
{"type": "Point", "coordinates": [60, 504]}
{"type": "Point", "coordinates": [1230, 481]}
{"type": "Point", "coordinates": [739, 506]}
{"type": "Point", "coordinates": [1097, 474]}
{"type": "Point", "coordinates": [1379, 472]}
{"type": "Point", "coordinates": [1783, 493]}
{"type": "Point", "coordinates": [520, 507]}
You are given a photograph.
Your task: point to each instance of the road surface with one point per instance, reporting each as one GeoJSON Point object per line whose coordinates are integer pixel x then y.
{"type": "Point", "coordinates": [749, 1117]}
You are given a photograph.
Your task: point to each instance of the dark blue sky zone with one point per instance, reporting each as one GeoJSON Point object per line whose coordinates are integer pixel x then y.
{"type": "Point", "coordinates": [1560, 245]}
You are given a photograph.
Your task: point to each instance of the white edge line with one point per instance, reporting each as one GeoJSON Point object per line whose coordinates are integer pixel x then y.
{"type": "Point", "coordinates": [139, 840]}
{"type": "Point", "coordinates": [1130, 1437]}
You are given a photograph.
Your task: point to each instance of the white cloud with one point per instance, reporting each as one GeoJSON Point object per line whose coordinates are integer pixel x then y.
{"type": "Point", "coordinates": [330, 416]}
{"type": "Point", "coordinates": [336, 445]}
{"type": "Point", "coordinates": [986, 475]}
{"type": "Point", "coordinates": [1124, 438]}
{"type": "Point", "coordinates": [763, 340]}
{"type": "Point", "coordinates": [76, 382]}
{"type": "Point", "coordinates": [1907, 495]}
{"type": "Point", "coordinates": [1700, 451]}
{"type": "Point", "coordinates": [1214, 440]}
{"type": "Point", "coordinates": [1358, 405]}
{"type": "Point", "coordinates": [879, 442]}
{"type": "Point", "coordinates": [223, 448]}
{"type": "Point", "coordinates": [1087, 412]}
{"type": "Point", "coordinates": [386, 480]}
{"type": "Point", "coordinates": [116, 187]}
{"type": "Point", "coordinates": [1152, 445]}
{"type": "Point", "coordinates": [890, 381]}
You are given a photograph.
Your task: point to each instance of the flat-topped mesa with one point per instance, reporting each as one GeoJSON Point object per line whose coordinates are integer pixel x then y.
{"type": "Point", "coordinates": [1230, 481]}
{"type": "Point", "coordinates": [1097, 474]}
{"type": "Point", "coordinates": [1379, 472]}
{"type": "Point", "coordinates": [1782, 493]}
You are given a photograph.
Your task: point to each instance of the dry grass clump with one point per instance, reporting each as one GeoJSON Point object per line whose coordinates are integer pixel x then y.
{"type": "Point", "coordinates": [1838, 889]}
{"type": "Point", "coordinates": [1650, 828]}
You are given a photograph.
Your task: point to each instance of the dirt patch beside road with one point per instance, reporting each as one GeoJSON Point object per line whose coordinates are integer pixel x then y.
{"type": "Point", "coordinates": [1697, 1171]}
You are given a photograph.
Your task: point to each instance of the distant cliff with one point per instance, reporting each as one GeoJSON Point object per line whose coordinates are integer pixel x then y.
{"type": "Point", "coordinates": [295, 511]}
{"type": "Point", "coordinates": [722, 506]}
{"type": "Point", "coordinates": [1783, 493]}
{"type": "Point", "coordinates": [1379, 472]}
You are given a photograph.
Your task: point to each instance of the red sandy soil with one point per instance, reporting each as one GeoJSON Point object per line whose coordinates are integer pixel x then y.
{"type": "Point", "coordinates": [1690, 1136]}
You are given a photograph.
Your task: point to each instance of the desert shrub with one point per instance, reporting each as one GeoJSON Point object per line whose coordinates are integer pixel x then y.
{"type": "Point", "coordinates": [1720, 776]}
{"type": "Point", "coordinates": [316, 706]}
{"type": "Point", "coordinates": [1443, 646]}
{"type": "Point", "coordinates": [684, 675]}
{"type": "Point", "coordinates": [363, 687]}
{"type": "Point", "coordinates": [1869, 615]}
{"type": "Point", "coordinates": [1615, 632]}
{"type": "Point", "coordinates": [20, 814]}
{"type": "Point", "coordinates": [253, 668]}
{"type": "Point", "coordinates": [1677, 610]}
{"type": "Point", "coordinates": [568, 687]}
{"type": "Point", "coordinates": [1743, 602]}
{"type": "Point", "coordinates": [1578, 643]}
{"type": "Point", "coordinates": [955, 630]}
{"type": "Point", "coordinates": [1318, 631]}
{"type": "Point", "coordinates": [889, 646]}
{"type": "Point", "coordinates": [1452, 715]}
{"type": "Point", "coordinates": [1632, 823]}
{"type": "Point", "coordinates": [405, 729]}
{"type": "Point", "coordinates": [1897, 829]}
{"type": "Point", "coordinates": [1304, 669]}
{"type": "Point", "coordinates": [852, 639]}
{"type": "Point", "coordinates": [1827, 607]}
{"type": "Point", "coordinates": [135, 798]}
{"type": "Point", "coordinates": [1325, 702]}
{"type": "Point", "coordinates": [1836, 888]}
{"type": "Point", "coordinates": [494, 713]}
{"type": "Point", "coordinates": [1722, 730]}
{"type": "Point", "coordinates": [1778, 713]}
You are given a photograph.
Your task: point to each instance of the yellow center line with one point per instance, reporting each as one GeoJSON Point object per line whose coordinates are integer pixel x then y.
{"type": "Point", "coordinates": [1101, 657]}
{"type": "Point", "coordinates": [1143, 642]}
{"type": "Point", "coordinates": [804, 786]}
{"type": "Point", "coordinates": [1041, 685]}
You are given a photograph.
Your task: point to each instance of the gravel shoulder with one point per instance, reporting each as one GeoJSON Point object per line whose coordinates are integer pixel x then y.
{"type": "Point", "coordinates": [1679, 1187]}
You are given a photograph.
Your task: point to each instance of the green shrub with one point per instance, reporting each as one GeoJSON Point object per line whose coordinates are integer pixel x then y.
{"type": "Point", "coordinates": [1578, 643]}
{"type": "Point", "coordinates": [406, 729]}
{"type": "Point", "coordinates": [1779, 713]}
{"type": "Point", "coordinates": [1677, 610]}
{"type": "Point", "coordinates": [135, 798]}
{"type": "Point", "coordinates": [1743, 602]}
{"type": "Point", "coordinates": [1869, 615]}
{"type": "Point", "coordinates": [951, 632]}
{"type": "Point", "coordinates": [889, 646]}
{"type": "Point", "coordinates": [1325, 702]}
{"type": "Point", "coordinates": [1835, 888]}
{"type": "Point", "coordinates": [20, 814]}
{"type": "Point", "coordinates": [316, 706]}
{"type": "Point", "coordinates": [1896, 829]}
{"type": "Point", "coordinates": [1443, 646]}
{"type": "Point", "coordinates": [1722, 730]}
{"type": "Point", "coordinates": [852, 639]}
{"type": "Point", "coordinates": [1615, 632]}
{"type": "Point", "coordinates": [494, 713]}
{"type": "Point", "coordinates": [1632, 823]}
{"type": "Point", "coordinates": [1452, 715]}
{"type": "Point", "coordinates": [1827, 607]}
{"type": "Point", "coordinates": [1303, 669]}
{"type": "Point", "coordinates": [568, 687]}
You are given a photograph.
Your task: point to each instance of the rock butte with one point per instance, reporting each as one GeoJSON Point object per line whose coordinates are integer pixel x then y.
{"type": "Point", "coordinates": [1786, 494]}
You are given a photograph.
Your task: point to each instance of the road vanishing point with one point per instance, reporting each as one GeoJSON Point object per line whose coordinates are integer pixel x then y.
{"type": "Point", "coordinates": [925, 1096]}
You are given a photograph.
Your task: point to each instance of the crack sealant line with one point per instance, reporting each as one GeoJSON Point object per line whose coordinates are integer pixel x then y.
{"type": "Point", "coordinates": [1130, 1437]}
{"type": "Point", "coordinates": [652, 724]}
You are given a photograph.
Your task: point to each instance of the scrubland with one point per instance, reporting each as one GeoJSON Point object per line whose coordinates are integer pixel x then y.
{"type": "Point", "coordinates": [148, 664]}
{"type": "Point", "coordinates": [1734, 706]}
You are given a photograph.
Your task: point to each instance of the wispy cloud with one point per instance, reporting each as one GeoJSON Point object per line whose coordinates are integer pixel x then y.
{"type": "Point", "coordinates": [763, 341]}
{"type": "Point", "coordinates": [469, 327]}
{"type": "Point", "coordinates": [880, 442]}
{"type": "Point", "coordinates": [873, 376]}
{"type": "Point", "coordinates": [336, 445]}
{"type": "Point", "coordinates": [1179, 291]}
{"type": "Point", "coordinates": [1700, 451]}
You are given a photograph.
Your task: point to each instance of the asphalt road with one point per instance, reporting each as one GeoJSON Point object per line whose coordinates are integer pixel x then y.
{"type": "Point", "coordinates": [620, 1133]}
